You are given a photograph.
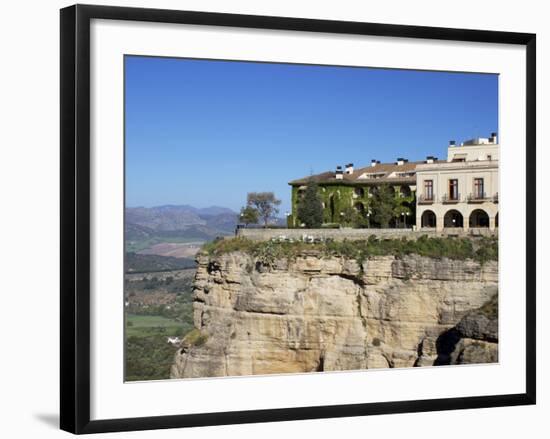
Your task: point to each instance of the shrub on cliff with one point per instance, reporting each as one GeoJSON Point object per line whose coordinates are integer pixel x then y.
{"type": "Point", "coordinates": [484, 250]}
{"type": "Point", "coordinates": [194, 338]}
{"type": "Point", "coordinates": [487, 251]}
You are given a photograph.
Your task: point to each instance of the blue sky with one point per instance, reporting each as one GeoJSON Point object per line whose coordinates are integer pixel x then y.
{"type": "Point", "coordinates": [205, 133]}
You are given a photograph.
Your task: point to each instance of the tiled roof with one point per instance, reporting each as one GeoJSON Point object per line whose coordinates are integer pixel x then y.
{"type": "Point", "coordinates": [387, 168]}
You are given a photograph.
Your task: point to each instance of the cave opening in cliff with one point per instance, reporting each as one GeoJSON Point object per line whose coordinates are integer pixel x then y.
{"type": "Point", "coordinates": [321, 365]}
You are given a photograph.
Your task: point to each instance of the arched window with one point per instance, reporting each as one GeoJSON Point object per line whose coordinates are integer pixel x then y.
{"type": "Point", "coordinates": [479, 218]}
{"type": "Point", "coordinates": [453, 218]}
{"type": "Point", "coordinates": [405, 190]}
{"type": "Point", "coordinates": [428, 219]}
{"type": "Point", "coordinates": [360, 208]}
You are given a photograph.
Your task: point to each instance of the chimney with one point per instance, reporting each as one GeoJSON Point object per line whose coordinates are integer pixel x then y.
{"type": "Point", "coordinates": [493, 138]}
{"type": "Point", "coordinates": [339, 174]}
{"type": "Point", "coordinates": [452, 143]}
{"type": "Point", "coordinates": [349, 168]}
{"type": "Point", "coordinates": [430, 159]}
{"type": "Point", "coordinates": [373, 162]}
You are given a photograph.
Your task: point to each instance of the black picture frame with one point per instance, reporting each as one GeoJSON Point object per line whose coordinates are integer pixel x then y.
{"type": "Point", "coordinates": [75, 217]}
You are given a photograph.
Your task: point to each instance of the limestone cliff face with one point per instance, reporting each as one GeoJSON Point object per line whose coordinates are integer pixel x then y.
{"type": "Point", "coordinates": [315, 313]}
{"type": "Point", "coordinates": [474, 339]}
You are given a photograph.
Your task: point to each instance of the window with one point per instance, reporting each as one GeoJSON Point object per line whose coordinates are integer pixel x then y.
{"type": "Point", "coordinates": [405, 190]}
{"type": "Point", "coordinates": [453, 189]}
{"type": "Point", "coordinates": [478, 188]}
{"type": "Point", "coordinates": [374, 175]}
{"type": "Point", "coordinates": [405, 174]}
{"type": "Point", "coordinates": [429, 190]}
{"type": "Point", "coordinates": [489, 157]}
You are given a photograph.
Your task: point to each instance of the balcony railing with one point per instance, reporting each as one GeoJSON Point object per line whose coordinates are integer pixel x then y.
{"type": "Point", "coordinates": [448, 199]}
{"type": "Point", "coordinates": [478, 198]}
{"type": "Point", "coordinates": [425, 199]}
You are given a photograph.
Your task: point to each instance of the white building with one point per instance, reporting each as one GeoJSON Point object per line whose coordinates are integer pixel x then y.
{"type": "Point", "coordinates": [461, 192]}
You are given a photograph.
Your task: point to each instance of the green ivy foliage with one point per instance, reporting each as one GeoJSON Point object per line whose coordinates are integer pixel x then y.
{"type": "Point", "coordinates": [385, 205]}
{"type": "Point", "coordinates": [310, 208]}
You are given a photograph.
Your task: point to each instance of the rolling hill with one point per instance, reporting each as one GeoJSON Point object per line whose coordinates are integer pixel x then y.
{"type": "Point", "coordinates": [147, 226]}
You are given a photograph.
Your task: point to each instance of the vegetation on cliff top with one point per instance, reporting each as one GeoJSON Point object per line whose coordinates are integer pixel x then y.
{"type": "Point", "coordinates": [481, 249]}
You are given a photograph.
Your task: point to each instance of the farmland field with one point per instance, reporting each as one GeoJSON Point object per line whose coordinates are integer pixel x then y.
{"type": "Point", "coordinates": [148, 354]}
{"type": "Point", "coordinates": [158, 305]}
{"type": "Point", "coordinates": [141, 326]}
{"type": "Point", "coordinates": [174, 249]}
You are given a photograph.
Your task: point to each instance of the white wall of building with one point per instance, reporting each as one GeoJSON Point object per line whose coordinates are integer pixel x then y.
{"type": "Point", "coordinates": [473, 152]}
{"type": "Point", "coordinates": [465, 172]}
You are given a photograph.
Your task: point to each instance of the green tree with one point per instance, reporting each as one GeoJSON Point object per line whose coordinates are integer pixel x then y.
{"type": "Point", "coordinates": [383, 205]}
{"type": "Point", "coordinates": [265, 203]}
{"type": "Point", "coordinates": [310, 209]}
{"type": "Point", "coordinates": [351, 217]}
{"type": "Point", "coordinates": [402, 211]}
{"type": "Point", "coordinates": [249, 215]}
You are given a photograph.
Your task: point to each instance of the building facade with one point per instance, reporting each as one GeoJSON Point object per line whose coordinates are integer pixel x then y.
{"type": "Point", "coordinates": [354, 188]}
{"type": "Point", "coordinates": [463, 191]}
{"type": "Point", "coordinates": [459, 192]}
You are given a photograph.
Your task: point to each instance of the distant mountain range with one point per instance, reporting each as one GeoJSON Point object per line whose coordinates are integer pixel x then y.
{"type": "Point", "coordinates": [184, 221]}
{"type": "Point", "coordinates": [147, 225]}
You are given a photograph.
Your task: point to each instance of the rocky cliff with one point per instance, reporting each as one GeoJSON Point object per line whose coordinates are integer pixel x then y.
{"type": "Point", "coordinates": [317, 313]}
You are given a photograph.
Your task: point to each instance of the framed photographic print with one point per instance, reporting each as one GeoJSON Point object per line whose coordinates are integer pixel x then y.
{"type": "Point", "coordinates": [268, 218]}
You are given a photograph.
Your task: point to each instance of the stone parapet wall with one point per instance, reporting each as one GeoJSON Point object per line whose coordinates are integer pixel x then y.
{"type": "Point", "coordinates": [354, 234]}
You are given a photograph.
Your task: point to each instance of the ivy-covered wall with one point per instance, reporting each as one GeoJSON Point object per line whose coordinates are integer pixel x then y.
{"type": "Point", "coordinates": [336, 198]}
